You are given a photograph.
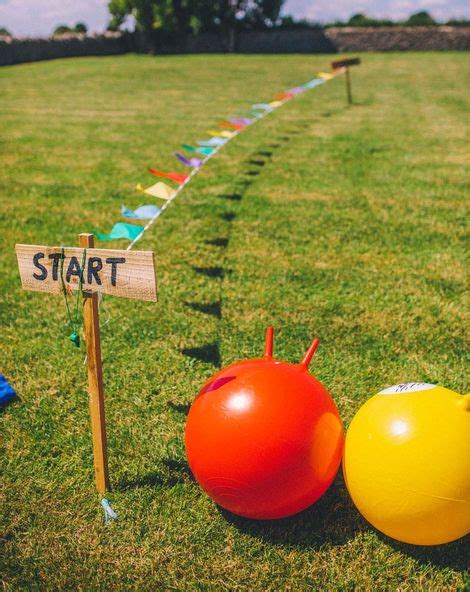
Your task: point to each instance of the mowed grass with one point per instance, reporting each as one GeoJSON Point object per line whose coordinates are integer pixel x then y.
{"type": "Point", "coordinates": [345, 223]}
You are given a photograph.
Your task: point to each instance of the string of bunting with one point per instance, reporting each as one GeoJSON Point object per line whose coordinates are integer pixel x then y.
{"type": "Point", "coordinates": [206, 149]}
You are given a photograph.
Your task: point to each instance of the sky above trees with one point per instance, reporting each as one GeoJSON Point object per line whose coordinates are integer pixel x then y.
{"type": "Point", "coordinates": [40, 17]}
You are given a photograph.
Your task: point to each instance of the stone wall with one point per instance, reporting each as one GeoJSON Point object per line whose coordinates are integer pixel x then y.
{"type": "Point", "coordinates": [399, 38]}
{"type": "Point", "coordinates": [15, 51]}
{"type": "Point", "coordinates": [329, 40]}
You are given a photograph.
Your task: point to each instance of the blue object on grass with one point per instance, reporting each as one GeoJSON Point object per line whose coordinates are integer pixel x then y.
{"type": "Point", "coordinates": [7, 392]}
{"type": "Point", "coordinates": [109, 513]}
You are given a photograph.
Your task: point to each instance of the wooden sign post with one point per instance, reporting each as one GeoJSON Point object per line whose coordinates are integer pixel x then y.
{"type": "Point", "coordinates": [346, 64]}
{"type": "Point", "coordinates": [130, 274]}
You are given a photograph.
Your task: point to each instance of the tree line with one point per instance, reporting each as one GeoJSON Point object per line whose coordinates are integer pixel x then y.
{"type": "Point", "coordinates": [195, 16]}
{"type": "Point", "coordinates": [180, 17]}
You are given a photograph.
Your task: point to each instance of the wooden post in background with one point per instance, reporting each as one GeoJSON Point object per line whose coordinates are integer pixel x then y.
{"type": "Point", "coordinates": [95, 380]}
{"type": "Point", "coordinates": [348, 86]}
{"type": "Point", "coordinates": [346, 63]}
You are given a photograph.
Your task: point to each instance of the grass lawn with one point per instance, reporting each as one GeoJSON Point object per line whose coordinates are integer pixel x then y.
{"type": "Point", "coordinates": [344, 223]}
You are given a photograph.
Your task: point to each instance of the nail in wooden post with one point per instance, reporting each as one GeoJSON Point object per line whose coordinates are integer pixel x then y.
{"type": "Point", "coordinates": [348, 86]}
{"type": "Point", "coordinates": [95, 380]}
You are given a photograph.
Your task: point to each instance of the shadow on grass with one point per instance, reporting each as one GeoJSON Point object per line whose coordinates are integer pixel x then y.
{"type": "Point", "coordinates": [218, 242]}
{"type": "Point", "coordinates": [9, 403]}
{"type": "Point", "coordinates": [452, 555]}
{"type": "Point", "coordinates": [228, 216]}
{"type": "Point", "coordinates": [208, 353]}
{"type": "Point", "coordinates": [232, 196]}
{"type": "Point", "coordinates": [212, 272]}
{"type": "Point", "coordinates": [213, 309]}
{"type": "Point", "coordinates": [331, 520]}
{"type": "Point", "coordinates": [334, 520]}
{"type": "Point", "coordinates": [182, 408]}
{"type": "Point", "coordinates": [175, 472]}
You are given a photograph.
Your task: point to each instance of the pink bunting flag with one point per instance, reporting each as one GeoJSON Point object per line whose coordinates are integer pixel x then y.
{"type": "Point", "coordinates": [296, 90]}
{"type": "Point", "coordinates": [242, 120]}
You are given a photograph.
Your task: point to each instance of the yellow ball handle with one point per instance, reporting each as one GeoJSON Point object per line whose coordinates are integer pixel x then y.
{"type": "Point", "coordinates": [465, 402]}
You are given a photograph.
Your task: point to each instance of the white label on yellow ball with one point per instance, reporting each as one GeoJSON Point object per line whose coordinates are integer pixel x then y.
{"type": "Point", "coordinates": [407, 387]}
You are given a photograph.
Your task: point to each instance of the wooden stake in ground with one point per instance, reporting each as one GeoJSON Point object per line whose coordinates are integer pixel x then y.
{"type": "Point", "coordinates": [91, 322]}
{"type": "Point", "coordinates": [130, 274]}
{"type": "Point", "coordinates": [346, 64]}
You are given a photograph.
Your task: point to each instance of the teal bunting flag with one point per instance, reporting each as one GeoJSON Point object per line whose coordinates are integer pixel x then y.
{"type": "Point", "coordinates": [205, 151]}
{"type": "Point", "coordinates": [121, 230]}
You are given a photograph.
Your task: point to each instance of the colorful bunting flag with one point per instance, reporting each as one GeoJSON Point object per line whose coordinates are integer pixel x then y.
{"type": "Point", "coordinates": [313, 83]}
{"type": "Point", "coordinates": [275, 104]}
{"type": "Point", "coordinates": [161, 190]}
{"type": "Point", "coordinates": [121, 230]}
{"type": "Point", "coordinates": [326, 75]}
{"type": "Point", "coordinates": [235, 126]}
{"type": "Point", "coordinates": [213, 142]}
{"type": "Point", "coordinates": [297, 90]}
{"type": "Point", "coordinates": [284, 96]}
{"type": "Point", "coordinates": [205, 151]}
{"type": "Point", "coordinates": [192, 162]}
{"type": "Point", "coordinates": [188, 148]}
{"type": "Point", "coordinates": [176, 177]}
{"type": "Point", "coordinates": [227, 135]}
{"type": "Point", "coordinates": [141, 213]}
{"type": "Point", "coordinates": [243, 120]}
{"type": "Point", "coordinates": [263, 106]}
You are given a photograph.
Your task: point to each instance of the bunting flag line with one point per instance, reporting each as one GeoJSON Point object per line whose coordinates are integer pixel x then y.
{"type": "Point", "coordinates": [176, 177]}
{"type": "Point", "coordinates": [160, 189]}
{"type": "Point", "coordinates": [121, 230]}
{"type": "Point", "coordinates": [207, 148]}
{"type": "Point", "coordinates": [141, 213]}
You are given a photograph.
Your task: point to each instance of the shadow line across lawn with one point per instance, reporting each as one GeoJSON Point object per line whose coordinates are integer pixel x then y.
{"type": "Point", "coordinates": [253, 166]}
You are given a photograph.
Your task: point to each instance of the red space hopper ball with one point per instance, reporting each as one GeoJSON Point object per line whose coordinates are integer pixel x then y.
{"type": "Point", "coordinates": [264, 437]}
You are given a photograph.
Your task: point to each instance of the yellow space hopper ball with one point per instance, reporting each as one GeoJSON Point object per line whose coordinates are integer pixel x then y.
{"type": "Point", "coordinates": [407, 463]}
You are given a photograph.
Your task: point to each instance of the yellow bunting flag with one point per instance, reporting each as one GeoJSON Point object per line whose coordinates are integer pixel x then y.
{"type": "Point", "coordinates": [326, 75]}
{"type": "Point", "coordinates": [225, 134]}
{"type": "Point", "coordinates": [275, 104]}
{"type": "Point", "coordinates": [161, 190]}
